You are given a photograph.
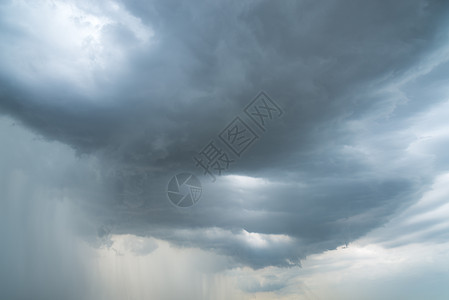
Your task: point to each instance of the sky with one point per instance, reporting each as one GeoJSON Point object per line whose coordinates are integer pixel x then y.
{"type": "Point", "coordinates": [341, 193]}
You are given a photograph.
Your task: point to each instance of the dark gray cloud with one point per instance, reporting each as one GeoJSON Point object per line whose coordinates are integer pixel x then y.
{"type": "Point", "coordinates": [334, 167]}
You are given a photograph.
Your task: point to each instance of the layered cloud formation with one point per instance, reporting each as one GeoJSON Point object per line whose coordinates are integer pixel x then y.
{"type": "Point", "coordinates": [124, 94]}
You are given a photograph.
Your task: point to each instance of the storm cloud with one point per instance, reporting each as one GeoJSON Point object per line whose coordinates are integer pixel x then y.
{"type": "Point", "coordinates": [133, 90]}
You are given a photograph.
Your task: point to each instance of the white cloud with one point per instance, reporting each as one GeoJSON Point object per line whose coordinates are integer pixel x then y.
{"type": "Point", "coordinates": [68, 42]}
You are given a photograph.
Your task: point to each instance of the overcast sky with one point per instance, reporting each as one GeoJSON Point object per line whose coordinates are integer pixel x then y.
{"type": "Point", "coordinates": [343, 195]}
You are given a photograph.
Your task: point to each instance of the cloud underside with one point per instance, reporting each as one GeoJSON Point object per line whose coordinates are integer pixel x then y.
{"type": "Point", "coordinates": [136, 89]}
